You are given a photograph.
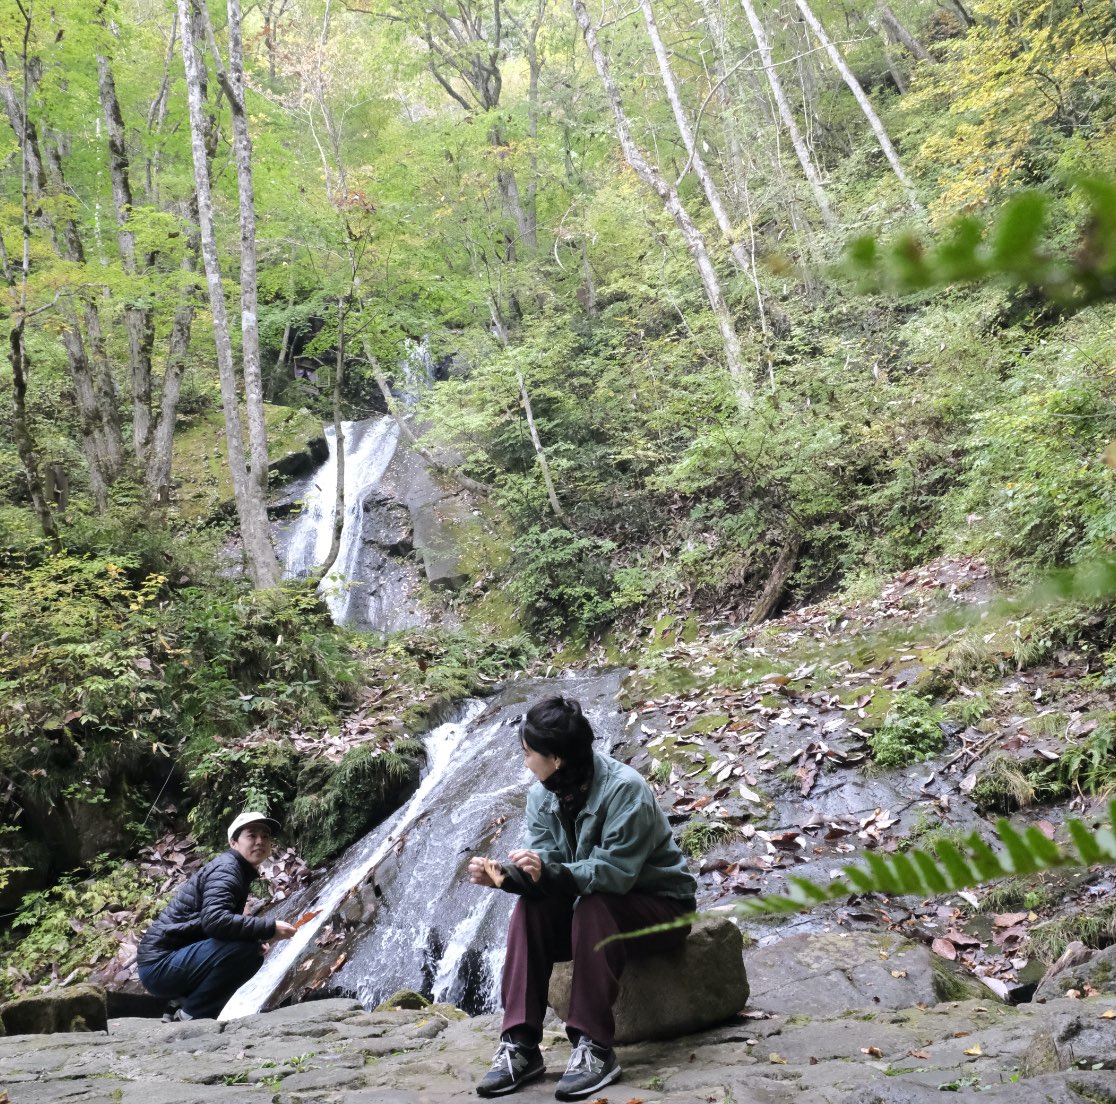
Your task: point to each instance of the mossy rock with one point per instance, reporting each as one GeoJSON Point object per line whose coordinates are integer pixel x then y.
{"type": "Point", "coordinates": [71, 1008]}
{"type": "Point", "coordinates": [403, 999]}
{"type": "Point", "coordinates": [950, 984]}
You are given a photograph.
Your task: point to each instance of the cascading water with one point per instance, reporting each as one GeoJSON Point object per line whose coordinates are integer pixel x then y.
{"type": "Point", "coordinates": [431, 931]}
{"type": "Point", "coordinates": [369, 447]}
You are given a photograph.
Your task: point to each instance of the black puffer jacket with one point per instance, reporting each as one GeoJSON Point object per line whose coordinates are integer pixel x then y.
{"type": "Point", "coordinates": [209, 906]}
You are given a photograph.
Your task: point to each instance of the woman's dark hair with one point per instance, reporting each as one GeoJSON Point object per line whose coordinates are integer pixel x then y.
{"type": "Point", "coordinates": [556, 726]}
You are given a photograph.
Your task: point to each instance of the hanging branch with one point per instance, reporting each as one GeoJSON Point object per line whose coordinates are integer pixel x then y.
{"type": "Point", "coordinates": [339, 445]}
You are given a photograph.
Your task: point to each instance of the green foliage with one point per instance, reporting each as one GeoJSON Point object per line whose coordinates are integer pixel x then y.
{"type": "Point", "coordinates": [68, 925]}
{"type": "Point", "coordinates": [1011, 250]}
{"type": "Point", "coordinates": [701, 836]}
{"type": "Point", "coordinates": [1087, 765]}
{"type": "Point", "coordinates": [911, 732]}
{"type": "Point", "coordinates": [562, 582]}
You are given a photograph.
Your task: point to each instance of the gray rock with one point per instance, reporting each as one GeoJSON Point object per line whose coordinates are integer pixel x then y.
{"type": "Point", "coordinates": [666, 995]}
{"type": "Point", "coordinates": [72, 1008]}
{"type": "Point", "coordinates": [1072, 1035]}
{"type": "Point", "coordinates": [1077, 968]}
{"type": "Point", "coordinates": [387, 524]}
{"type": "Point", "coordinates": [1083, 1088]}
{"type": "Point", "coordinates": [824, 975]}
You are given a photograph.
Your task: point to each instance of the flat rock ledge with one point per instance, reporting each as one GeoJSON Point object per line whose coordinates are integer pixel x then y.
{"type": "Point", "coordinates": [334, 1052]}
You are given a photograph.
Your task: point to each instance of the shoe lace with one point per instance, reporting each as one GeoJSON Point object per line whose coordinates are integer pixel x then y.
{"type": "Point", "coordinates": [503, 1058]}
{"type": "Point", "coordinates": [581, 1058]}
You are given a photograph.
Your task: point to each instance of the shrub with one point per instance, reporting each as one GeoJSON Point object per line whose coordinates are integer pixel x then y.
{"type": "Point", "coordinates": [911, 732]}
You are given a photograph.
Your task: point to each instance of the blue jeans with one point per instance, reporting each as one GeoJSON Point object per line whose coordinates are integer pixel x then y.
{"type": "Point", "coordinates": [202, 975]}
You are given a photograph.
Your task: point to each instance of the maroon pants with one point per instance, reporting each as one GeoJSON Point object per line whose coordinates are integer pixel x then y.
{"type": "Point", "coordinates": [549, 930]}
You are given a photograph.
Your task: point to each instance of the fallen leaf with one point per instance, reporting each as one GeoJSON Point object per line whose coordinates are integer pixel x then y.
{"type": "Point", "coordinates": [1008, 919]}
{"type": "Point", "coordinates": [872, 1052]}
{"type": "Point", "coordinates": [944, 948]}
{"type": "Point", "coordinates": [973, 1051]}
{"type": "Point", "coordinates": [306, 917]}
{"type": "Point", "coordinates": [495, 872]}
{"type": "Point", "coordinates": [1107, 1014]}
{"type": "Point", "coordinates": [918, 1054]}
{"type": "Point", "coordinates": [898, 973]}
{"type": "Point", "coordinates": [776, 1059]}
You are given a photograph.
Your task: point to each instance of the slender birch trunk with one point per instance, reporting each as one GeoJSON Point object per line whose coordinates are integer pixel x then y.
{"type": "Point", "coordinates": [544, 467]}
{"type": "Point", "coordinates": [695, 160]}
{"type": "Point", "coordinates": [263, 566]}
{"type": "Point", "coordinates": [785, 113]}
{"type": "Point", "coordinates": [692, 236]}
{"type": "Point", "coordinates": [861, 98]}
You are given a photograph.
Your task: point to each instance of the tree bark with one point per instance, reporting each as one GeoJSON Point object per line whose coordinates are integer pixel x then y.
{"type": "Point", "coordinates": [692, 236]}
{"type": "Point", "coordinates": [138, 321]}
{"type": "Point", "coordinates": [785, 113]}
{"type": "Point", "coordinates": [776, 582]}
{"type": "Point", "coordinates": [862, 99]}
{"type": "Point", "coordinates": [98, 426]}
{"type": "Point", "coordinates": [544, 467]}
{"type": "Point", "coordinates": [693, 154]}
{"type": "Point", "coordinates": [900, 33]}
{"type": "Point", "coordinates": [263, 566]}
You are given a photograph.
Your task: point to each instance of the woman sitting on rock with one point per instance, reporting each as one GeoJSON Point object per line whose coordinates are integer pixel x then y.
{"type": "Point", "coordinates": [600, 859]}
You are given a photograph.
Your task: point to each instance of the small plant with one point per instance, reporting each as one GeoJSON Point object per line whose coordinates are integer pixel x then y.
{"type": "Point", "coordinates": [701, 836]}
{"type": "Point", "coordinates": [969, 710]}
{"type": "Point", "coordinates": [1002, 786]}
{"type": "Point", "coordinates": [911, 732]}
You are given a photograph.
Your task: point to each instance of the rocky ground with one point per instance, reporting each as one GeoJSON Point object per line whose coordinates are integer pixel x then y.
{"type": "Point", "coordinates": [830, 1022]}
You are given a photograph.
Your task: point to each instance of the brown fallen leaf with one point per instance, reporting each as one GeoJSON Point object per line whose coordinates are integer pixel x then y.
{"type": "Point", "coordinates": [918, 1054]}
{"type": "Point", "coordinates": [495, 872]}
{"type": "Point", "coordinates": [1008, 919]}
{"type": "Point", "coordinates": [872, 1052]}
{"type": "Point", "coordinates": [974, 1051]}
{"type": "Point", "coordinates": [306, 917]}
{"type": "Point", "coordinates": [944, 948]}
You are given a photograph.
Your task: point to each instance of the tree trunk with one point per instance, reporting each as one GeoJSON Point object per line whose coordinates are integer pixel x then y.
{"type": "Point", "coordinates": [138, 321]}
{"type": "Point", "coordinates": [776, 582]}
{"type": "Point", "coordinates": [691, 235]}
{"type": "Point", "coordinates": [900, 82]}
{"type": "Point", "coordinates": [785, 113]}
{"type": "Point", "coordinates": [339, 446]}
{"type": "Point", "coordinates": [263, 567]}
{"type": "Point", "coordinates": [100, 432]}
{"type": "Point", "coordinates": [551, 494]}
{"type": "Point", "coordinates": [862, 99]}
{"type": "Point", "coordinates": [724, 223]}
{"type": "Point", "coordinates": [901, 34]}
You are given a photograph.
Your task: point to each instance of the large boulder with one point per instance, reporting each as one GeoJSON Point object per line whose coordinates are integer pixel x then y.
{"type": "Point", "coordinates": [676, 992]}
{"type": "Point", "coordinates": [72, 1008]}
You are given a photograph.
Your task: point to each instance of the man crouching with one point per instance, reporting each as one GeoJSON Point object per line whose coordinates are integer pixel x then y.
{"type": "Point", "coordinates": [201, 947]}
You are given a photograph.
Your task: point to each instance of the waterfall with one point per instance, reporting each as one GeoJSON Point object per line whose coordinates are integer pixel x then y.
{"type": "Point", "coordinates": [369, 447]}
{"type": "Point", "coordinates": [430, 930]}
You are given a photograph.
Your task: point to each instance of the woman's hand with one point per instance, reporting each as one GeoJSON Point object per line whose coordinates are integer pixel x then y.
{"type": "Point", "coordinates": [477, 873]}
{"type": "Point", "coordinates": [529, 862]}
{"type": "Point", "coordinates": [283, 930]}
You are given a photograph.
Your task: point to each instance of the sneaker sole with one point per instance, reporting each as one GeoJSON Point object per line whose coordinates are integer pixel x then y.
{"type": "Point", "coordinates": [525, 1080]}
{"type": "Point", "coordinates": [608, 1078]}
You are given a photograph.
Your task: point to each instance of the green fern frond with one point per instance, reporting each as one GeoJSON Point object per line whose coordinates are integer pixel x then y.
{"type": "Point", "coordinates": [974, 862]}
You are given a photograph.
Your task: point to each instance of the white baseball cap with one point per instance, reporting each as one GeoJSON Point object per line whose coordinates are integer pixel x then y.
{"type": "Point", "coordinates": [252, 818]}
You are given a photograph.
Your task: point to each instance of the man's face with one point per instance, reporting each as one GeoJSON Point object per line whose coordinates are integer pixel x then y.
{"type": "Point", "coordinates": [254, 842]}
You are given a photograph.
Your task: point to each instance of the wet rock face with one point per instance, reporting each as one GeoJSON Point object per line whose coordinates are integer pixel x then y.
{"type": "Point", "coordinates": [663, 996]}
{"type": "Point", "coordinates": [1080, 970]}
{"type": "Point", "coordinates": [826, 975]}
{"type": "Point", "coordinates": [74, 1008]}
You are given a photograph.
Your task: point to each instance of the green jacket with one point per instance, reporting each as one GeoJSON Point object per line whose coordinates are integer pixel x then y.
{"type": "Point", "coordinates": [623, 839]}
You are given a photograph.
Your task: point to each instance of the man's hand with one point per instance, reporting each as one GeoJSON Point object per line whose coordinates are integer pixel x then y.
{"type": "Point", "coordinates": [529, 862]}
{"type": "Point", "coordinates": [283, 930]}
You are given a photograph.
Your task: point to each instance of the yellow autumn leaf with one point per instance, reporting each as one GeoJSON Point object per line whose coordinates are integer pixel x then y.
{"type": "Point", "coordinates": [974, 1051]}
{"type": "Point", "coordinates": [776, 1059]}
{"type": "Point", "coordinates": [1108, 1014]}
